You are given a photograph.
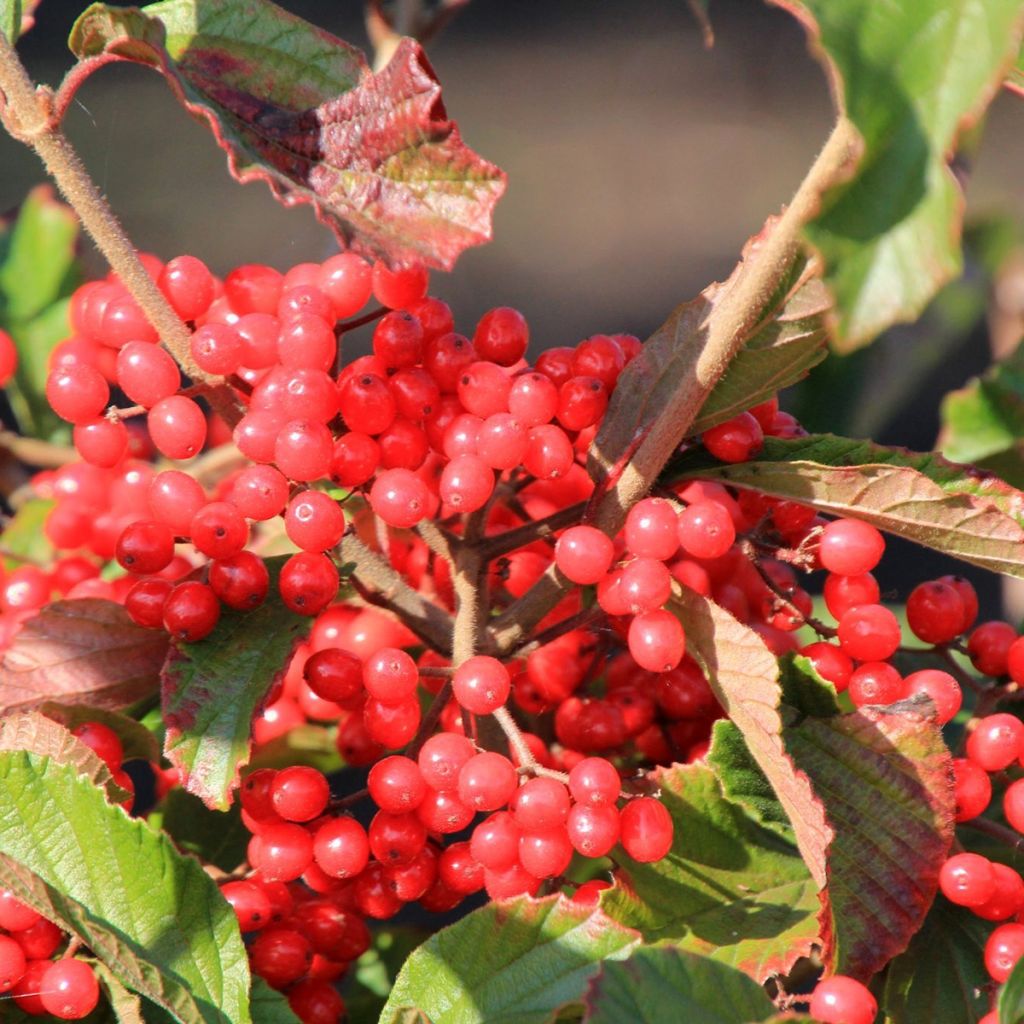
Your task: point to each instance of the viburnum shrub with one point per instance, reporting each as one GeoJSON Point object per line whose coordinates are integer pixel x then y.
{"type": "Point", "coordinates": [463, 682]}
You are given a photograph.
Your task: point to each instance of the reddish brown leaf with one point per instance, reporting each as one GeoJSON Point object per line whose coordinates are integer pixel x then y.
{"type": "Point", "coordinates": [86, 651]}
{"type": "Point", "coordinates": [375, 155]}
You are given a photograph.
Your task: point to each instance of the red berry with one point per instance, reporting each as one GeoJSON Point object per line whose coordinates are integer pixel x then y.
{"type": "Point", "coordinates": [1013, 803]}
{"type": "Point", "coordinates": [502, 336]}
{"type": "Point", "coordinates": [341, 847]}
{"type": "Point", "coordinates": [441, 759]}
{"type": "Point", "coordinates": [177, 427]}
{"type": "Point", "coordinates": [396, 785]}
{"type": "Point", "coordinates": [935, 612]}
{"type": "Point", "coordinates": [876, 682]}
{"type": "Point", "coordinates": [973, 789]}
{"type": "Point", "coordinates": [219, 530]}
{"type": "Point", "coordinates": [869, 632]}
{"type": "Point", "coordinates": [651, 529]}
{"type": "Point", "coordinates": [145, 547]}
{"type": "Point", "coordinates": [12, 963]}
{"type": "Point", "coordinates": [584, 554]}
{"type": "Point", "coordinates": [656, 641]}
{"type": "Point", "coordinates": [593, 831]}
{"type": "Point", "coordinates": [647, 829]}
{"type": "Point", "coordinates": [400, 498]}
{"type": "Point", "coordinates": [842, 1000]}
{"type": "Point", "coordinates": [487, 781]}
{"type": "Point", "coordinates": [850, 547]}
{"type": "Point", "coordinates": [1003, 950]}
{"type": "Point", "coordinates": [69, 989]}
{"type": "Point", "coordinates": [481, 684]}
{"type": "Point", "coordinates": [706, 529]}
{"type": "Point", "coordinates": [314, 521]}
{"type": "Point", "coordinates": [147, 373]}
{"type": "Point", "coordinates": [396, 289]}
{"type": "Point", "coordinates": [736, 440]}
{"type": "Point", "coordinates": [989, 647]}
{"type": "Point", "coordinates": [594, 782]}
{"type": "Point", "coordinates": [390, 676]}
{"type": "Point", "coordinates": [967, 880]}
{"type": "Point", "coordinates": [240, 581]}
{"type": "Point", "coordinates": [15, 916]}
{"type": "Point", "coordinates": [541, 803]}
{"type": "Point", "coordinates": [299, 793]}
{"type": "Point", "coordinates": [995, 742]}
{"type": "Point", "coordinates": [308, 583]}
{"type": "Point", "coordinates": [845, 592]}
{"type": "Point", "coordinates": [943, 689]}
{"type": "Point", "coordinates": [191, 611]}
{"type": "Point", "coordinates": [249, 902]}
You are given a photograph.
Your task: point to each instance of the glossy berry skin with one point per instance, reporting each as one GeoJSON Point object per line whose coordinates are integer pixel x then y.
{"type": "Point", "coordinates": [341, 847]}
{"type": "Point", "coordinates": [396, 784]}
{"type": "Point", "coordinates": [314, 521]}
{"type": "Point", "coordinates": [651, 529]}
{"type": "Point", "coordinates": [191, 611]}
{"type": "Point", "coordinates": [12, 963]}
{"type": "Point", "coordinates": [1008, 898]}
{"type": "Point", "coordinates": [390, 676]}
{"type": "Point", "coordinates": [316, 1002]}
{"type": "Point", "coordinates": [943, 689]}
{"type": "Point", "coordinates": [869, 632]}
{"type": "Point", "coordinates": [177, 427]}
{"type": "Point", "coordinates": [299, 793]}
{"type": "Point", "coordinates": [219, 530]}
{"type": "Point", "coordinates": [397, 289]}
{"type": "Point", "coordinates": [594, 782]}
{"type": "Point", "coordinates": [69, 989]}
{"type": "Point", "coordinates": [647, 829]}
{"type": "Point", "coordinates": [850, 547]}
{"type": "Point", "coordinates": [584, 554]}
{"type": "Point", "coordinates": [830, 663]}
{"type": "Point", "coordinates": [657, 641]}
{"type": "Point", "coordinates": [308, 583]}
{"type": "Point", "coordinates": [541, 803]}
{"type": "Point", "coordinates": [77, 393]}
{"type": "Point", "coordinates": [441, 759]}
{"type": "Point", "coordinates": [706, 529]}
{"type": "Point", "coordinates": [1004, 948]}
{"type": "Point", "coordinates": [875, 682]}
{"type": "Point", "coordinates": [240, 581]}
{"type": "Point", "coordinates": [593, 831]}
{"type": "Point", "coordinates": [842, 1000]}
{"type": "Point", "coordinates": [502, 336]}
{"type": "Point", "coordinates": [967, 880]}
{"type": "Point", "coordinates": [147, 373]}
{"type": "Point", "coordinates": [487, 781]}
{"type": "Point", "coordinates": [250, 904]}
{"type": "Point", "coordinates": [399, 497]}
{"type": "Point", "coordinates": [280, 956]}
{"type": "Point", "coordinates": [989, 647]}
{"type": "Point", "coordinates": [107, 746]}
{"type": "Point", "coordinates": [736, 440]}
{"type": "Point", "coordinates": [281, 852]}
{"type": "Point", "coordinates": [481, 684]}
{"type": "Point", "coordinates": [996, 741]}
{"type": "Point", "coordinates": [101, 442]}
{"type": "Point", "coordinates": [974, 791]}
{"type": "Point", "coordinates": [935, 612]}
{"type": "Point", "coordinates": [845, 592]}
{"type": "Point", "coordinates": [1013, 803]}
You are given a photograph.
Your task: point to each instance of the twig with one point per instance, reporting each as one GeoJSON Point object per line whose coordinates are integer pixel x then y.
{"type": "Point", "coordinates": [584, 618]}
{"type": "Point", "coordinates": [439, 540]}
{"type": "Point", "coordinates": [29, 118]}
{"type": "Point", "coordinates": [508, 540]}
{"type": "Point", "coordinates": [34, 452]}
{"type": "Point", "coordinates": [430, 719]}
{"type": "Point", "coordinates": [996, 831]}
{"type": "Point", "coordinates": [736, 313]}
{"type": "Point", "coordinates": [963, 677]}
{"type": "Point", "coordinates": [424, 618]}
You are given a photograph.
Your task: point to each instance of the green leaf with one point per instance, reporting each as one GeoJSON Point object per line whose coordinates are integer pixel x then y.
{"type": "Point", "coordinates": [39, 264]}
{"type": "Point", "coordinates": [910, 75]}
{"type": "Point", "coordinates": [516, 960]}
{"type": "Point", "coordinates": [941, 978]}
{"type": "Point", "coordinates": [211, 690]}
{"type": "Point", "coordinates": [786, 341]}
{"type": "Point", "coordinates": [986, 417]}
{"type": "Point", "coordinates": [376, 970]}
{"type": "Point", "coordinates": [23, 534]}
{"type": "Point", "coordinates": [137, 740]}
{"type": "Point", "coordinates": [151, 915]}
{"type": "Point", "coordinates": [729, 888]}
{"type": "Point", "coordinates": [10, 19]}
{"type": "Point", "coordinates": [269, 1006]}
{"type": "Point", "coordinates": [85, 651]}
{"type": "Point", "coordinates": [35, 340]}
{"type": "Point", "coordinates": [125, 1004]}
{"type": "Point", "coordinates": [216, 837]}
{"type": "Point", "coordinates": [642, 988]}
{"type": "Point", "coordinates": [375, 155]}
{"type": "Point", "coordinates": [957, 510]}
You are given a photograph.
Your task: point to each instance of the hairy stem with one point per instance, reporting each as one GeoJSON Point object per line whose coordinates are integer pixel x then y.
{"type": "Point", "coordinates": [28, 117]}
{"type": "Point", "coordinates": [429, 622]}
{"type": "Point", "coordinates": [736, 313]}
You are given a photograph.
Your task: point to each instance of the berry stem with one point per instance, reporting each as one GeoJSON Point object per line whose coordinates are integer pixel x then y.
{"type": "Point", "coordinates": [34, 452]}
{"type": "Point", "coordinates": [380, 584]}
{"type": "Point", "coordinates": [515, 739]}
{"type": "Point", "coordinates": [29, 118]}
{"type": "Point", "coordinates": [736, 312]}
{"type": "Point", "coordinates": [508, 540]}
{"type": "Point", "coordinates": [993, 828]}
{"type": "Point", "coordinates": [964, 678]}
{"type": "Point", "coordinates": [430, 719]}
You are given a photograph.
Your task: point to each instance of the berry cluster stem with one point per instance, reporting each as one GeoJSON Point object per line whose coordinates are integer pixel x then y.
{"type": "Point", "coordinates": [29, 118]}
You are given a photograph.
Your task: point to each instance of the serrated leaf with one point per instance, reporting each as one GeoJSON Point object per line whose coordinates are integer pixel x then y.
{"type": "Point", "coordinates": [516, 960]}
{"type": "Point", "coordinates": [210, 691]}
{"type": "Point", "coordinates": [911, 75]}
{"type": "Point", "coordinates": [375, 155]}
{"type": "Point", "coordinates": [744, 675]}
{"type": "Point", "coordinates": [216, 837]}
{"type": "Point", "coordinates": [642, 988]}
{"type": "Point", "coordinates": [787, 340]}
{"type": "Point", "coordinates": [958, 510]}
{"type": "Point", "coordinates": [885, 778]}
{"type": "Point", "coordinates": [729, 888]}
{"type": "Point", "coordinates": [34, 733]}
{"type": "Point", "coordinates": [137, 740]}
{"type": "Point", "coordinates": [85, 651]}
{"type": "Point", "coordinates": [151, 915]}
{"type": "Point", "coordinates": [941, 978]}
{"type": "Point", "coordinates": [23, 534]}
{"type": "Point", "coordinates": [125, 1004]}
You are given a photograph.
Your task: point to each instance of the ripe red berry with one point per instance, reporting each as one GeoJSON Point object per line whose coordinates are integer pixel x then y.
{"type": "Point", "coordinates": [875, 682]}
{"type": "Point", "coordinates": [191, 611]}
{"type": "Point", "coordinates": [487, 781]}
{"type": "Point", "coordinates": [396, 784]}
{"type": "Point", "coordinates": [177, 427]}
{"type": "Point", "coordinates": [249, 902]}
{"type": "Point", "coordinates": [1013, 803]}
{"type": "Point", "coordinates": [593, 831]}
{"type": "Point", "coordinates": [314, 521]}
{"type": "Point", "coordinates": [12, 963]}
{"type": "Point", "coordinates": [595, 782]}
{"type": "Point", "coordinates": [967, 880]}
{"type": "Point", "coordinates": [240, 581]}
{"type": "Point", "coordinates": [736, 440]}
{"type": "Point", "coordinates": [396, 289]}
{"type": "Point", "coordinates": [341, 847]}
{"type": "Point", "coordinates": [869, 632]}
{"type": "Point", "coordinates": [145, 547]}
{"type": "Point", "coordinates": [502, 336]}
{"type": "Point", "coordinates": [299, 793]}
{"type": "Point", "coordinates": [989, 647]}
{"type": "Point", "coordinates": [101, 442]}
{"type": "Point", "coordinates": [541, 803]}
{"type": "Point", "coordinates": [481, 684]}
{"type": "Point", "coordinates": [441, 759]}
{"type": "Point", "coordinates": [400, 498]}
{"type": "Point", "coordinates": [850, 547]}
{"type": "Point", "coordinates": [651, 529]}
{"type": "Point", "coordinates": [584, 554]}
{"type": "Point", "coordinates": [973, 790]}
{"type": "Point", "coordinates": [390, 676]}
{"type": "Point", "coordinates": [657, 641]}
{"type": "Point", "coordinates": [935, 612]}
{"type": "Point", "coordinates": [845, 592]}
{"type": "Point", "coordinates": [107, 746]}
{"type": "Point", "coordinates": [308, 583]}
{"type": "Point", "coordinates": [706, 529]}
{"type": "Point", "coordinates": [219, 530]}
{"type": "Point", "coordinates": [943, 689]}
{"type": "Point", "coordinates": [1003, 950]}
{"type": "Point", "coordinates": [15, 916]}
{"type": "Point", "coordinates": [996, 741]}
{"type": "Point", "coordinates": [647, 829]}
{"type": "Point", "coordinates": [69, 989]}
{"type": "Point", "coordinates": [334, 675]}
{"type": "Point", "coordinates": [842, 1000]}
{"type": "Point", "coordinates": [147, 373]}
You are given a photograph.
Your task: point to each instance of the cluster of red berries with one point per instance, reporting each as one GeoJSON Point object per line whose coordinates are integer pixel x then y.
{"type": "Point", "coordinates": [65, 987]}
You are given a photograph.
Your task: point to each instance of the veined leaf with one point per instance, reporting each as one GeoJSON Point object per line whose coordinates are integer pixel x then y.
{"type": "Point", "coordinates": [151, 915]}
{"type": "Point", "coordinates": [514, 960]}
{"type": "Point", "coordinates": [211, 690]}
{"type": "Point", "coordinates": [910, 75]}
{"type": "Point", "coordinates": [86, 651]}
{"type": "Point", "coordinates": [293, 106]}
{"type": "Point", "coordinates": [728, 889]}
{"type": "Point", "coordinates": [958, 510]}
{"type": "Point", "coordinates": [652, 979]}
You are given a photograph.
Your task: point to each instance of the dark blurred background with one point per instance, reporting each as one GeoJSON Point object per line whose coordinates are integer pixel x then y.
{"type": "Point", "coordinates": [638, 164]}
